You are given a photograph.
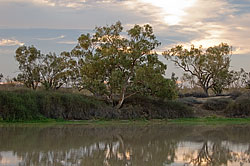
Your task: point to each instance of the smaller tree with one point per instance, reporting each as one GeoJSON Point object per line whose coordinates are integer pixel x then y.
{"type": "Point", "coordinates": [29, 65]}
{"type": "Point", "coordinates": [246, 79]}
{"type": "Point", "coordinates": [209, 67]}
{"type": "Point", "coordinates": [237, 79]}
{"type": "Point", "coordinates": [53, 71]}
{"type": "Point", "coordinates": [49, 70]}
{"type": "Point", "coordinates": [240, 79]}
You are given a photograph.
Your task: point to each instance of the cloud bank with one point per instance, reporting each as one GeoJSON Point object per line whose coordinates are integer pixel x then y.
{"type": "Point", "coordinates": [186, 22]}
{"type": "Point", "coordinates": [10, 42]}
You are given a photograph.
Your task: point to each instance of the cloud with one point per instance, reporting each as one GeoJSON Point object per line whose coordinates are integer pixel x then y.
{"type": "Point", "coordinates": [52, 38]}
{"type": "Point", "coordinates": [187, 22]}
{"type": "Point", "coordinates": [75, 4]}
{"type": "Point", "coordinates": [68, 42]}
{"type": "Point", "coordinates": [237, 31]}
{"type": "Point", "coordinates": [209, 23]}
{"type": "Point", "coordinates": [10, 42]}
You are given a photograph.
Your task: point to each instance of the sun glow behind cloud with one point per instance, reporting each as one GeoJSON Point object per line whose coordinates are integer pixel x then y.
{"type": "Point", "coordinates": [172, 11]}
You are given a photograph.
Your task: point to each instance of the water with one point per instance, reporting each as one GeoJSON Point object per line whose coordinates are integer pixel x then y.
{"type": "Point", "coordinates": [125, 145]}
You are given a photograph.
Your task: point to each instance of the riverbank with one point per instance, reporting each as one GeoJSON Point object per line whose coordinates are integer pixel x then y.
{"type": "Point", "coordinates": [22, 105]}
{"type": "Point", "coordinates": [25, 105]}
{"type": "Point", "coordinates": [186, 121]}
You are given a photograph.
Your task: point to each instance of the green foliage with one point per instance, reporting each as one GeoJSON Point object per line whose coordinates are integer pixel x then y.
{"type": "Point", "coordinates": [28, 105]}
{"type": "Point", "coordinates": [210, 67]}
{"type": "Point", "coordinates": [240, 108]}
{"type": "Point", "coordinates": [151, 108]}
{"type": "Point", "coordinates": [53, 71]}
{"type": "Point", "coordinates": [113, 66]}
{"type": "Point", "coordinates": [28, 59]}
{"type": "Point", "coordinates": [16, 106]}
{"type": "Point", "coordinates": [23, 105]}
{"type": "Point", "coordinates": [151, 83]}
{"type": "Point", "coordinates": [49, 70]}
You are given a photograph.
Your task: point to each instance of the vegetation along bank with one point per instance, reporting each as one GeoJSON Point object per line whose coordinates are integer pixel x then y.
{"type": "Point", "coordinates": [121, 77]}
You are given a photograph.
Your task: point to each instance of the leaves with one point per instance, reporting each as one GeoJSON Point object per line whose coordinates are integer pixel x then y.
{"type": "Point", "coordinates": [29, 65]}
{"type": "Point", "coordinates": [114, 65]}
{"type": "Point", "coordinates": [49, 69]}
{"type": "Point", "coordinates": [210, 67]}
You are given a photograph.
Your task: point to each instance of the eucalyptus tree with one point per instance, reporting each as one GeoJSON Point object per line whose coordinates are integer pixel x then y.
{"type": "Point", "coordinates": [210, 67]}
{"type": "Point", "coordinates": [48, 70]}
{"type": "Point", "coordinates": [53, 71]}
{"type": "Point", "coordinates": [118, 65]}
{"type": "Point", "coordinates": [29, 65]}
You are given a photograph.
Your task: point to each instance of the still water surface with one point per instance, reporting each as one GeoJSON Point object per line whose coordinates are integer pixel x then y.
{"type": "Point", "coordinates": [154, 145]}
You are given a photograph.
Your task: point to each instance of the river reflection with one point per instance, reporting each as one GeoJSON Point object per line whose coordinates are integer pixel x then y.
{"type": "Point", "coordinates": [157, 145]}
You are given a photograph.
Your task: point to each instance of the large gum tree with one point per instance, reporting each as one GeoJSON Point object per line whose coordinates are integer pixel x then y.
{"type": "Point", "coordinates": [119, 65]}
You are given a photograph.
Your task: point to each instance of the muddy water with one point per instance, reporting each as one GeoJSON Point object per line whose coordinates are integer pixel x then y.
{"type": "Point", "coordinates": [152, 145]}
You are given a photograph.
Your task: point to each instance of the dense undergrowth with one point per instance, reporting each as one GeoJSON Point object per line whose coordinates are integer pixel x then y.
{"type": "Point", "coordinates": [19, 105]}
{"type": "Point", "coordinates": [28, 105]}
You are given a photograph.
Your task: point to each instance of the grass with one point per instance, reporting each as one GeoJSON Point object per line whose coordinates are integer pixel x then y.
{"type": "Point", "coordinates": [187, 121]}
{"type": "Point", "coordinates": [210, 120]}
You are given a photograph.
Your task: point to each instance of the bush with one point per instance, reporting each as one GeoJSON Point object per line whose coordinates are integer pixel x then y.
{"type": "Point", "coordinates": [31, 105]}
{"type": "Point", "coordinates": [217, 104]}
{"type": "Point", "coordinates": [18, 106]}
{"type": "Point", "coordinates": [149, 108]}
{"type": "Point", "coordinates": [240, 108]}
{"type": "Point", "coordinates": [34, 105]}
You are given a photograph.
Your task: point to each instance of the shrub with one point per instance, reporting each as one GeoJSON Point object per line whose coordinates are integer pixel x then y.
{"type": "Point", "coordinates": [149, 108]}
{"type": "Point", "coordinates": [30, 105]}
{"type": "Point", "coordinates": [239, 108]}
{"type": "Point", "coordinates": [34, 105]}
{"type": "Point", "coordinates": [18, 106]}
{"type": "Point", "coordinates": [217, 104]}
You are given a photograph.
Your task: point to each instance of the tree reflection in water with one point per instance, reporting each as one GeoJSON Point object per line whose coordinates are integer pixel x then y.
{"type": "Point", "coordinates": [125, 145]}
{"type": "Point", "coordinates": [216, 154]}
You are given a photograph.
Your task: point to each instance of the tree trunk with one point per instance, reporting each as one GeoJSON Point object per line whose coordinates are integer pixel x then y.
{"type": "Point", "coordinates": [120, 103]}
{"type": "Point", "coordinates": [122, 98]}
{"type": "Point", "coordinates": [205, 89]}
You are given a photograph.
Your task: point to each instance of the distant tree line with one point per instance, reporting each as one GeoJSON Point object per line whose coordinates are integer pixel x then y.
{"type": "Point", "coordinates": [115, 65]}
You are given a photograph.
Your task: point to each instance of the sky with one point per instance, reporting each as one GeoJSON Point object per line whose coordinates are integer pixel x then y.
{"type": "Point", "coordinates": [55, 25]}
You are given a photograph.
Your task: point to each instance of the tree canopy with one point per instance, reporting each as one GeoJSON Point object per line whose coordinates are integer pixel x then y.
{"type": "Point", "coordinates": [118, 65]}
{"type": "Point", "coordinates": [210, 66]}
{"type": "Point", "coordinates": [29, 65]}
{"type": "Point", "coordinates": [36, 68]}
